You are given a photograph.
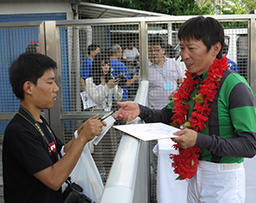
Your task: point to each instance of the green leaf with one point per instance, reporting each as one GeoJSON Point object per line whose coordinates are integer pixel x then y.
{"type": "Point", "coordinates": [199, 98]}
{"type": "Point", "coordinates": [180, 178]}
{"type": "Point", "coordinates": [187, 124]}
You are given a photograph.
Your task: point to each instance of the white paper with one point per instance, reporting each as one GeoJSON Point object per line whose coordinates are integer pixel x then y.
{"type": "Point", "coordinates": [87, 102]}
{"type": "Point", "coordinates": [148, 131]}
{"type": "Point", "coordinates": [110, 122]}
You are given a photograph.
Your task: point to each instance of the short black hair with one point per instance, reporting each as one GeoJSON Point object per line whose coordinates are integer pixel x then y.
{"type": "Point", "coordinates": [28, 67]}
{"type": "Point", "coordinates": [156, 40]}
{"type": "Point", "coordinates": [92, 47]}
{"type": "Point", "coordinates": [207, 29]}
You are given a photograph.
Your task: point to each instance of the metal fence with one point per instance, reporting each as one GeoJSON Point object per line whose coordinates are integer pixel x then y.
{"type": "Point", "coordinates": [68, 42]}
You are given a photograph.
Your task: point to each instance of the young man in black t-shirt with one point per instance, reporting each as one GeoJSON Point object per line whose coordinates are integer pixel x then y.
{"type": "Point", "coordinates": [32, 171]}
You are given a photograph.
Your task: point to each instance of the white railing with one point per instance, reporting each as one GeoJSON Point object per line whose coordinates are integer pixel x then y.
{"type": "Point", "coordinates": [128, 180]}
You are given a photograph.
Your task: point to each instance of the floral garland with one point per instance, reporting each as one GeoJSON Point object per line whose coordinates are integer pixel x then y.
{"type": "Point", "coordinates": [185, 163]}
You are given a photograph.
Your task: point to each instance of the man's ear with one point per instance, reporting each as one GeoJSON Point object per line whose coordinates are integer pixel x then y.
{"type": "Point", "coordinates": [216, 48]}
{"type": "Point", "coordinates": [27, 87]}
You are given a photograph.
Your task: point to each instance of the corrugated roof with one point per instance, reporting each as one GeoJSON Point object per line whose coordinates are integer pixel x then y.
{"type": "Point", "coordinates": [92, 11]}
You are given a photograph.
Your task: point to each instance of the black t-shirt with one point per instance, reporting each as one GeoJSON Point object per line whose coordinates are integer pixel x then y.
{"type": "Point", "coordinates": [25, 153]}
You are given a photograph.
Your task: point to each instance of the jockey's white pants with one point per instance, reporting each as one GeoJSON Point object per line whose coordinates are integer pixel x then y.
{"type": "Point", "coordinates": [217, 183]}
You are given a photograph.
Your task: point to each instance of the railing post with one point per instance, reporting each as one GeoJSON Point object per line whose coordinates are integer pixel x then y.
{"type": "Point", "coordinates": [52, 49]}
{"type": "Point", "coordinates": [143, 43]}
{"type": "Point", "coordinates": [252, 51]}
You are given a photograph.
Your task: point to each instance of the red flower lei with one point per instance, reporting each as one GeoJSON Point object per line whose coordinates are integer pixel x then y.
{"type": "Point", "coordinates": [185, 163]}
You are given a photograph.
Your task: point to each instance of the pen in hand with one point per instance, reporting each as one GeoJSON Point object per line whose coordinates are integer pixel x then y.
{"type": "Point", "coordinates": [102, 118]}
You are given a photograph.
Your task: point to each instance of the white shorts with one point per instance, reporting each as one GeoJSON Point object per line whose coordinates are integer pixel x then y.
{"type": "Point", "coordinates": [217, 183]}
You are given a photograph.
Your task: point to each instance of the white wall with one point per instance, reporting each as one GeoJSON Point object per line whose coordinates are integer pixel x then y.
{"type": "Point", "coordinates": [36, 7]}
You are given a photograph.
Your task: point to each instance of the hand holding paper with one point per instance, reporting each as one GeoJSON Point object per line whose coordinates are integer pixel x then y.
{"type": "Point", "coordinates": [186, 138]}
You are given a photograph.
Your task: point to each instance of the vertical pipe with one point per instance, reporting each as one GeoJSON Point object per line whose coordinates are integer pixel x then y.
{"type": "Point", "coordinates": [41, 37]}
{"type": "Point", "coordinates": [143, 36]}
{"type": "Point", "coordinates": [52, 49]}
{"type": "Point", "coordinates": [75, 67]}
{"type": "Point", "coordinates": [252, 51]}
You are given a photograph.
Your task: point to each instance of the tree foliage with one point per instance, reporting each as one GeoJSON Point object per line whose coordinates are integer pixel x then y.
{"type": "Point", "coordinates": [170, 7]}
{"type": "Point", "coordinates": [184, 7]}
{"type": "Point", "coordinates": [233, 7]}
{"type": "Point", "coordinates": [250, 5]}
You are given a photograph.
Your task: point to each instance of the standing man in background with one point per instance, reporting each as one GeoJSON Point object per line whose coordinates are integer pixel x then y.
{"type": "Point", "coordinates": [131, 53]}
{"type": "Point", "coordinates": [131, 57]}
{"type": "Point", "coordinates": [86, 69]}
{"type": "Point", "coordinates": [118, 69]}
{"type": "Point", "coordinates": [164, 74]}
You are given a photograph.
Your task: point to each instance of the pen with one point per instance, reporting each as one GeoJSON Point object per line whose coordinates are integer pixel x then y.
{"type": "Point", "coordinates": [106, 115]}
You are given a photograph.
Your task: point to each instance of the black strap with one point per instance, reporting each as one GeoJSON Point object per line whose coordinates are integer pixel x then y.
{"type": "Point", "coordinates": [28, 117]}
{"type": "Point", "coordinates": [68, 181]}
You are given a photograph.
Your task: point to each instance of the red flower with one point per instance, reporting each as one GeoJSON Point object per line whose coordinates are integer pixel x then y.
{"type": "Point", "coordinates": [185, 163]}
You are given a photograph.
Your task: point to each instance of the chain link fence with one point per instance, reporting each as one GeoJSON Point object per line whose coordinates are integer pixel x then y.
{"type": "Point", "coordinates": [123, 45]}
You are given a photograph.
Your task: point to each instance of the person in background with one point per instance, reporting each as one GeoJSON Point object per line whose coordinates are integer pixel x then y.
{"type": "Point", "coordinates": [86, 69]}
{"type": "Point", "coordinates": [164, 74]}
{"type": "Point", "coordinates": [32, 169]}
{"type": "Point", "coordinates": [131, 53]}
{"type": "Point", "coordinates": [131, 58]}
{"type": "Point", "coordinates": [33, 47]}
{"type": "Point", "coordinates": [103, 92]}
{"type": "Point", "coordinates": [102, 87]}
{"type": "Point", "coordinates": [118, 69]}
{"type": "Point", "coordinates": [214, 107]}
{"type": "Point", "coordinates": [231, 64]}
